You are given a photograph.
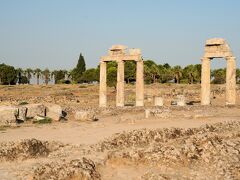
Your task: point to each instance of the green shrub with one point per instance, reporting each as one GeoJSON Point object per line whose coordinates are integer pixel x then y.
{"type": "Point", "coordinates": [45, 120]}
{"type": "Point", "coordinates": [23, 103]}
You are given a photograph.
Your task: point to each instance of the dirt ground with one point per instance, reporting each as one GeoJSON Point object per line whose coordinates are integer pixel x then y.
{"type": "Point", "coordinates": [190, 142]}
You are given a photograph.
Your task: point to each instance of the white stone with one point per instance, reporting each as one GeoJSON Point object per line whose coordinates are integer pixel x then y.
{"type": "Point", "coordinates": [8, 114]}
{"type": "Point", "coordinates": [35, 109]}
{"type": "Point", "coordinates": [53, 111]}
{"type": "Point", "coordinates": [181, 100]}
{"type": "Point", "coordinates": [158, 101]}
{"type": "Point", "coordinates": [85, 115]}
{"type": "Point", "coordinates": [22, 113]}
{"type": "Point", "coordinates": [147, 113]}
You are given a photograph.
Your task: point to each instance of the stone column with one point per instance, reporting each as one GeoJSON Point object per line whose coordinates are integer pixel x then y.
{"type": "Point", "coordinates": [139, 84]}
{"type": "Point", "coordinates": [103, 85]}
{"type": "Point", "coordinates": [231, 81]}
{"type": "Point", "coordinates": [205, 81]}
{"type": "Point", "coordinates": [120, 84]}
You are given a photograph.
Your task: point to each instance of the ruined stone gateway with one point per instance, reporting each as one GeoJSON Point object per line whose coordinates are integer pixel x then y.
{"type": "Point", "coordinates": [218, 48]}
{"type": "Point", "coordinates": [120, 53]}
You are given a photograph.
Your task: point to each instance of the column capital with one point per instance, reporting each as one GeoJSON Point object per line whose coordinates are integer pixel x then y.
{"type": "Point", "coordinates": [120, 61]}
{"type": "Point", "coordinates": [205, 59]}
{"type": "Point", "coordinates": [231, 58]}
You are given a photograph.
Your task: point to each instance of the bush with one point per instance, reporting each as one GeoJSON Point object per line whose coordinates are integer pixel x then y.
{"type": "Point", "coordinates": [44, 120]}
{"type": "Point", "coordinates": [23, 103]}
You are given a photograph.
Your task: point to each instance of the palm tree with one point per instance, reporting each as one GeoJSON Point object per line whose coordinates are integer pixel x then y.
{"type": "Point", "coordinates": [53, 75]}
{"type": "Point", "coordinates": [19, 75]}
{"type": "Point", "coordinates": [65, 74]}
{"type": "Point", "coordinates": [28, 72]}
{"type": "Point", "coordinates": [37, 73]}
{"type": "Point", "coordinates": [46, 75]}
{"type": "Point", "coordinates": [177, 70]}
{"type": "Point", "coordinates": [192, 73]}
{"type": "Point", "coordinates": [219, 76]}
{"type": "Point", "coordinates": [151, 71]}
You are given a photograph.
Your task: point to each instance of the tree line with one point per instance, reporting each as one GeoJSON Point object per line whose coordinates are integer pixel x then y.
{"type": "Point", "coordinates": [153, 73]}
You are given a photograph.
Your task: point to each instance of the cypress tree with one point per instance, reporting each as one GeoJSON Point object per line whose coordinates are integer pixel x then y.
{"type": "Point", "coordinates": [81, 66]}
{"type": "Point", "coordinates": [79, 69]}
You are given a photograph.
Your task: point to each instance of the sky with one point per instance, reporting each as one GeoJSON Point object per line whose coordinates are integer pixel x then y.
{"type": "Point", "coordinates": [52, 33]}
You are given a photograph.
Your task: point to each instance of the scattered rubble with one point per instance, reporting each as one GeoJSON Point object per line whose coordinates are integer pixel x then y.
{"type": "Point", "coordinates": [12, 114]}
{"type": "Point", "coordinates": [85, 115]}
{"type": "Point", "coordinates": [75, 169]}
{"type": "Point", "coordinates": [211, 151]}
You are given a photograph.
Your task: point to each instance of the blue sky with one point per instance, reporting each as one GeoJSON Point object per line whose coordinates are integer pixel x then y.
{"type": "Point", "coordinates": [52, 33]}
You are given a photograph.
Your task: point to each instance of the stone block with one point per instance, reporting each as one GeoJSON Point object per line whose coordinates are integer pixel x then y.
{"type": "Point", "coordinates": [54, 111]}
{"type": "Point", "coordinates": [158, 101]}
{"type": "Point", "coordinates": [85, 115]}
{"type": "Point", "coordinates": [35, 110]}
{"type": "Point", "coordinates": [22, 113]}
{"type": "Point", "coordinates": [8, 114]}
{"type": "Point", "coordinates": [181, 100]}
{"type": "Point", "coordinates": [147, 113]}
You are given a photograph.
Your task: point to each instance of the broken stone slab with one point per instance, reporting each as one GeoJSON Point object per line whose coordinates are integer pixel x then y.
{"type": "Point", "coordinates": [34, 110]}
{"type": "Point", "coordinates": [8, 114]}
{"type": "Point", "coordinates": [85, 115]}
{"type": "Point", "coordinates": [54, 111]}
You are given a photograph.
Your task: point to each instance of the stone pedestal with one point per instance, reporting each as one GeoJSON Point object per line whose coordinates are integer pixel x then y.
{"type": "Point", "coordinates": [158, 101]}
{"type": "Point", "coordinates": [139, 84]}
{"type": "Point", "coordinates": [231, 81]}
{"type": "Point", "coordinates": [205, 82]}
{"type": "Point", "coordinates": [181, 100]}
{"type": "Point", "coordinates": [120, 85]}
{"type": "Point", "coordinates": [103, 85]}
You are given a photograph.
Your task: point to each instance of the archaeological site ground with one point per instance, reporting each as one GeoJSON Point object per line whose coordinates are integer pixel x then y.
{"type": "Point", "coordinates": [119, 90]}
{"type": "Point", "coordinates": [171, 137]}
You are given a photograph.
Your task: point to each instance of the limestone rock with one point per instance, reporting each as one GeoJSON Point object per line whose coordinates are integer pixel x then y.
{"type": "Point", "coordinates": [8, 114]}
{"type": "Point", "coordinates": [147, 113]}
{"type": "Point", "coordinates": [54, 111]}
{"type": "Point", "coordinates": [181, 100]}
{"type": "Point", "coordinates": [158, 101]}
{"type": "Point", "coordinates": [85, 115]}
{"type": "Point", "coordinates": [22, 113]}
{"type": "Point", "coordinates": [35, 110]}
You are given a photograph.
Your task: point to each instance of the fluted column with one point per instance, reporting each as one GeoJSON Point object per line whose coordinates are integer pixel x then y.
{"type": "Point", "coordinates": [139, 84]}
{"type": "Point", "coordinates": [120, 84]}
{"type": "Point", "coordinates": [205, 81]}
{"type": "Point", "coordinates": [103, 85]}
{"type": "Point", "coordinates": [231, 81]}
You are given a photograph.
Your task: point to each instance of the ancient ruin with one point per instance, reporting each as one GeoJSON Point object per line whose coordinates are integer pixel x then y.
{"type": "Point", "coordinates": [120, 54]}
{"type": "Point", "coordinates": [218, 48]}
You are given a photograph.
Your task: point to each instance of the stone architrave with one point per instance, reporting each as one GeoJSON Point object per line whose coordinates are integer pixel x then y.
{"type": "Point", "coordinates": [119, 54]}
{"type": "Point", "coordinates": [218, 48]}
